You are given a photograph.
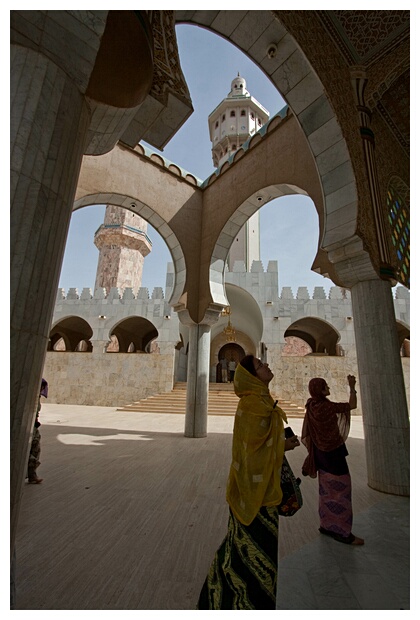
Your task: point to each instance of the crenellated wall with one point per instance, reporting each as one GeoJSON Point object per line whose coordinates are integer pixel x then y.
{"type": "Point", "coordinates": [102, 312]}
{"type": "Point", "coordinates": [113, 379]}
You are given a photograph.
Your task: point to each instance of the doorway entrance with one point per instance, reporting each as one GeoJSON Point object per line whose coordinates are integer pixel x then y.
{"type": "Point", "coordinates": [231, 352]}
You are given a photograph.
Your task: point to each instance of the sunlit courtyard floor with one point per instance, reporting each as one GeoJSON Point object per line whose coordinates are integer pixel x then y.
{"type": "Point", "coordinates": [131, 512]}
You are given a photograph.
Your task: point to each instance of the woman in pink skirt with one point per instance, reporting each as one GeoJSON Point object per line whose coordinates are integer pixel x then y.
{"type": "Point", "coordinates": [325, 429]}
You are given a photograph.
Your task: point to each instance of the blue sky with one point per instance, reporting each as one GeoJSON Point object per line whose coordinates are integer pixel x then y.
{"type": "Point", "coordinates": [289, 225]}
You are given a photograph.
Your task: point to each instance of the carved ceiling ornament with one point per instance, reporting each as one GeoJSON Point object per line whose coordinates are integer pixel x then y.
{"type": "Point", "coordinates": [363, 37]}
{"type": "Point", "coordinates": [394, 106]}
{"type": "Point", "coordinates": [167, 67]}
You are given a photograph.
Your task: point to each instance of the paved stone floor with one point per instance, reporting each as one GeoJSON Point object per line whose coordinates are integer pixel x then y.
{"type": "Point", "coordinates": [131, 512]}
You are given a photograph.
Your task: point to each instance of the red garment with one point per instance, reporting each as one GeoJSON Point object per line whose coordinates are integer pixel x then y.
{"type": "Point", "coordinates": [335, 508]}
{"type": "Point", "coordinates": [326, 425]}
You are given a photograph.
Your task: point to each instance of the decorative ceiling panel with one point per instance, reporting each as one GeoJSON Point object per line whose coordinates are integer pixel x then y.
{"type": "Point", "coordinates": [394, 106]}
{"type": "Point", "coordinates": [364, 36]}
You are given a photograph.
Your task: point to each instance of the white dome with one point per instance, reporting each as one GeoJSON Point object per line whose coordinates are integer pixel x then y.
{"type": "Point", "coordinates": [238, 86]}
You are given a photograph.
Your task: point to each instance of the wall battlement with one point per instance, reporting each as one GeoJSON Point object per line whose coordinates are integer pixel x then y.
{"type": "Point", "coordinates": [87, 294]}
{"type": "Point", "coordinates": [239, 276]}
{"type": "Point", "coordinates": [143, 294]}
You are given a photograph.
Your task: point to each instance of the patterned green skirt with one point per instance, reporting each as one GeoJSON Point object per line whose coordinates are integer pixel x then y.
{"type": "Point", "coordinates": [243, 574]}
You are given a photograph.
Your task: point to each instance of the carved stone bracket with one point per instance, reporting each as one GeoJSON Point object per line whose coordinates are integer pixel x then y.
{"type": "Point", "coordinates": [211, 315]}
{"type": "Point", "coordinates": [352, 263]}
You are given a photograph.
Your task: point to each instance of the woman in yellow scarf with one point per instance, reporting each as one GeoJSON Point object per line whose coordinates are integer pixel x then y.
{"type": "Point", "coordinates": [243, 574]}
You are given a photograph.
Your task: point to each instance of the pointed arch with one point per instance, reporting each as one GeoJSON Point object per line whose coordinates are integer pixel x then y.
{"type": "Point", "coordinates": [73, 330]}
{"type": "Point", "coordinates": [133, 334]}
{"type": "Point", "coordinates": [320, 335]}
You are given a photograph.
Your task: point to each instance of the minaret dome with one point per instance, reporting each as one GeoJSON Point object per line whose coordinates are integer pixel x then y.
{"type": "Point", "coordinates": [237, 118]}
{"type": "Point", "coordinates": [238, 87]}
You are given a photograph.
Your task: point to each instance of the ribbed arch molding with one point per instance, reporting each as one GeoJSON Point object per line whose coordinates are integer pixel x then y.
{"type": "Point", "coordinates": [253, 32]}
{"type": "Point", "coordinates": [154, 219]}
{"type": "Point", "coordinates": [232, 228]}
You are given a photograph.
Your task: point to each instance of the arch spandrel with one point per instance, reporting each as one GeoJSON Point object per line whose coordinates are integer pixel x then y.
{"type": "Point", "coordinates": [126, 178]}
{"type": "Point", "coordinates": [246, 186]}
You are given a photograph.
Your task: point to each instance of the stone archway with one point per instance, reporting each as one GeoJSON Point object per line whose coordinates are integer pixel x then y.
{"type": "Point", "coordinates": [309, 98]}
{"type": "Point", "coordinates": [128, 178]}
{"type": "Point", "coordinates": [232, 350]}
{"type": "Point", "coordinates": [233, 353]}
{"type": "Point", "coordinates": [242, 198]}
{"type": "Point", "coordinates": [132, 334]}
{"type": "Point", "coordinates": [318, 334]}
{"type": "Point", "coordinates": [71, 334]}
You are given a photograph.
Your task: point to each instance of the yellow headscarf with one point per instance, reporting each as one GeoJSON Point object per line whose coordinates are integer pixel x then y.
{"type": "Point", "coordinates": [257, 449]}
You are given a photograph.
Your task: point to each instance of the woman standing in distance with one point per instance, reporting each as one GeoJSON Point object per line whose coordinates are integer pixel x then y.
{"type": "Point", "coordinates": [325, 429]}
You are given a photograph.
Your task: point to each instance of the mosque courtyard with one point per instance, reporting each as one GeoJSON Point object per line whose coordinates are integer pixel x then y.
{"type": "Point", "coordinates": [131, 512]}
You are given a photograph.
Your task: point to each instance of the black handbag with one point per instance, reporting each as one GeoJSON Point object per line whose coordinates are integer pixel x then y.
{"type": "Point", "coordinates": [292, 498]}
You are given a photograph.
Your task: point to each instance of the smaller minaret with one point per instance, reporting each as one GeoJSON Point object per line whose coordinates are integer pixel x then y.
{"type": "Point", "coordinates": [122, 243]}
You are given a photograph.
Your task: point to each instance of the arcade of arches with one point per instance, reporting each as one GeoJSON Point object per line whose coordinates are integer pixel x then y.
{"type": "Point", "coordinates": [298, 337]}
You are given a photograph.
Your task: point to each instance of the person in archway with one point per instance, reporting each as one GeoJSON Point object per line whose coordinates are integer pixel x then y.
{"type": "Point", "coordinates": [35, 451]}
{"type": "Point", "coordinates": [224, 366]}
{"type": "Point", "coordinates": [232, 368]}
{"type": "Point", "coordinates": [325, 429]}
{"type": "Point", "coordinates": [243, 574]}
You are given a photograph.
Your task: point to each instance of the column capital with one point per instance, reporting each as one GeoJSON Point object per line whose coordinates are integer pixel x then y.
{"type": "Point", "coordinates": [211, 315]}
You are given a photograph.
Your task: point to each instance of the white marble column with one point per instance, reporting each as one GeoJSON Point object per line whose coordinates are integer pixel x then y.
{"type": "Point", "coordinates": [197, 381]}
{"type": "Point", "coordinates": [382, 390]}
{"type": "Point", "coordinates": [49, 122]}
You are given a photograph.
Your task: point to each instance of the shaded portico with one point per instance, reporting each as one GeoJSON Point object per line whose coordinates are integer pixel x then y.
{"type": "Point", "coordinates": [199, 291]}
{"type": "Point", "coordinates": [337, 107]}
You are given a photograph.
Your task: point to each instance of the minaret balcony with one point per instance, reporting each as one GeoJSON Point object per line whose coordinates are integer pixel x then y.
{"type": "Point", "coordinates": [123, 236]}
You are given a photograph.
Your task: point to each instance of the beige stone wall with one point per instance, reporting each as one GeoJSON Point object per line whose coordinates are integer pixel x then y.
{"type": "Point", "coordinates": [292, 375]}
{"type": "Point", "coordinates": [406, 371]}
{"type": "Point", "coordinates": [295, 347]}
{"type": "Point", "coordinates": [115, 379]}
{"type": "Point", "coordinates": [108, 379]}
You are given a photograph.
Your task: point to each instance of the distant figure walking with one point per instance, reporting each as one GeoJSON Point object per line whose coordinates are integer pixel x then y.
{"type": "Point", "coordinates": [325, 429]}
{"type": "Point", "coordinates": [224, 365]}
{"type": "Point", "coordinates": [232, 368]}
{"type": "Point", "coordinates": [35, 451]}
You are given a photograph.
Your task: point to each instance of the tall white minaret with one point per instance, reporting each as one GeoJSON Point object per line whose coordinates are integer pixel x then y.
{"type": "Point", "coordinates": [238, 117]}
